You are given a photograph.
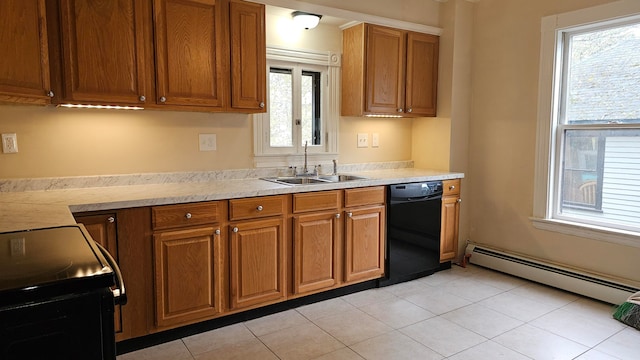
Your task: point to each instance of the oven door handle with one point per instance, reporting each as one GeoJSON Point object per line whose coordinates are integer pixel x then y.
{"type": "Point", "coordinates": [119, 294]}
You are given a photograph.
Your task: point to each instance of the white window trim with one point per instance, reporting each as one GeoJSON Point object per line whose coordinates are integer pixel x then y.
{"type": "Point", "coordinates": [548, 103]}
{"type": "Point", "coordinates": [263, 157]}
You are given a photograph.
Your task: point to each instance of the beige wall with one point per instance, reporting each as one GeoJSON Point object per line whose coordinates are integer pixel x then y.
{"type": "Point", "coordinates": [506, 45]}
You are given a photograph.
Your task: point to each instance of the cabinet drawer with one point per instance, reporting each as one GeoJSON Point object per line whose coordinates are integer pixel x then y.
{"type": "Point", "coordinates": [169, 216]}
{"type": "Point", "coordinates": [324, 200]}
{"type": "Point", "coordinates": [364, 196]}
{"type": "Point", "coordinates": [257, 207]}
{"type": "Point", "coordinates": [451, 187]}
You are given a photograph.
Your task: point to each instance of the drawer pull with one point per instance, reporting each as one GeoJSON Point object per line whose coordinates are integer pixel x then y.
{"type": "Point", "coordinates": [452, 187]}
{"type": "Point", "coordinates": [235, 229]}
{"type": "Point", "coordinates": [217, 231]}
{"type": "Point", "coordinates": [187, 215]}
{"type": "Point", "coordinates": [459, 200]}
{"type": "Point", "coordinates": [337, 216]}
{"type": "Point", "coordinates": [350, 214]}
{"type": "Point", "coordinates": [111, 219]}
{"type": "Point", "coordinates": [259, 208]}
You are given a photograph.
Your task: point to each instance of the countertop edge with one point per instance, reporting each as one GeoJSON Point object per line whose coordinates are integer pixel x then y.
{"type": "Point", "coordinates": [39, 209]}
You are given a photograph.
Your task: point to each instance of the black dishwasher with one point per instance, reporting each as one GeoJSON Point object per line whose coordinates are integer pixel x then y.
{"type": "Point", "coordinates": [413, 231]}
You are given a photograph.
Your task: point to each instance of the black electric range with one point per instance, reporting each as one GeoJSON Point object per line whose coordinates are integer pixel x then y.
{"type": "Point", "coordinates": [56, 300]}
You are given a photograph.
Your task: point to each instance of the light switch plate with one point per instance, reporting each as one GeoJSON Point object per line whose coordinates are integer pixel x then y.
{"type": "Point", "coordinates": [9, 143]}
{"type": "Point", "coordinates": [375, 140]}
{"type": "Point", "coordinates": [208, 142]}
{"type": "Point", "coordinates": [363, 140]}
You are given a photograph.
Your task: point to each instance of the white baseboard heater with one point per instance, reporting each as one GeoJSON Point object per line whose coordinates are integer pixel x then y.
{"type": "Point", "coordinates": [586, 284]}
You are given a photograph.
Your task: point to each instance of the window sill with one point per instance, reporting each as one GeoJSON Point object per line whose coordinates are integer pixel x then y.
{"type": "Point", "coordinates": [619, 237]}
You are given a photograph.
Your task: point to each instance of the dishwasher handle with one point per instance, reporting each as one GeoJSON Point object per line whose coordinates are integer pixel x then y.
{"type": "Point", "coordinates": [119, 293]}
{"type": "Point", "coordinates": [393, 201]}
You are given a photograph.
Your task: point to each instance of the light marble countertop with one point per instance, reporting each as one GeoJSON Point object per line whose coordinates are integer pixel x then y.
{"type": "Point", "coordinates": [23, 210]}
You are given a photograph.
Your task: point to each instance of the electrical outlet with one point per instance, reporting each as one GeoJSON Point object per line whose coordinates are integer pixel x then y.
{"type": "Point", "coordinates": [363, 140]}
{"type": "Point", "coordinates": [9, 143]}
{"type": "Point", "coordinates": [208, 142]}
{"type": "Point", "coordinates": [375, 140]}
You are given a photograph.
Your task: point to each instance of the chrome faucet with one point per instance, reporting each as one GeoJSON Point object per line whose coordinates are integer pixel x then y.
{"type": "Point", "coordinates": [335, 167]}
{"type": "Point", "coordinates": [305, 171]}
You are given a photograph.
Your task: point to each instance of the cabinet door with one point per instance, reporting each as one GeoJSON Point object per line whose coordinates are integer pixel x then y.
{"type": "Point", "coordinates": [315, 252]}
{"type": "Point", "coordinates": [449, 228]}
{"type": "Point", "coordinates": [103, 50]}
{"type": "Point", "coordinates": [189, 52]}
{"type": "Point", "coordinates": [24, 69]}
{"type": "Point", "coordinates": [384, 70]}
{"type": "Point", "coordinates": [365, 243]}
{"type": "Point", "coordinates": [102, 228]}
{"type": "Point", "coordinates": [186, 275]}
{"type": "Point", "coordinates": [248, 56]}
{"type": "Point", "coordinates": [257, 263]}
{"type": "Point", "coordinates": [422, 74]}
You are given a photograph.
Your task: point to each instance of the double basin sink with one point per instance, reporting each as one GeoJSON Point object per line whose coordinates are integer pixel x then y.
{"type": "Point", "coordinates": [308, 180]}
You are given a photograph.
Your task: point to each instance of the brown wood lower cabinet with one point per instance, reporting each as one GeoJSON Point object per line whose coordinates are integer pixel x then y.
{"type": "Point", "coordinates": [257, 262]}
{"type": "Point", "coordinates": [187, 263]}
{"type": "Point", "coordinates": [450, 220]}
{"type": "Point", "coordinates": [364, 243]}
{"type": "Point", "coordinates": [188, 248]}
{"type": "Point", "coordinates": [187, 268]}
{"type": "Point", "coordinates": [102, 228]}
{"type": "Point", "coordinates": [315, 251]}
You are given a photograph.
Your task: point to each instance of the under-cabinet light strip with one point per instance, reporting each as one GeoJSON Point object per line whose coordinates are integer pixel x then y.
{"type": "Point", "coordinates": [114, 107]}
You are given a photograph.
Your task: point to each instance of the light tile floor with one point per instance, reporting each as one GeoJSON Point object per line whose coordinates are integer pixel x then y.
{"type": "Point", "coordinates": [457, 314]}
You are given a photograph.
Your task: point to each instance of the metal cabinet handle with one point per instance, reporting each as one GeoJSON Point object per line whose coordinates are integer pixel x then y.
{"type": "Point", "coordinates": [261, 105]}
{"type": "Point", "coordinates": [337, 216]}
{"type": "Point", "coordinates": [50, 94]}
{"type": "Point", "coordinates": [111, 219]}
{"type": "Point", "coordinates": [217, 232]}
{"type": "Point", "coordinates": [459, 200]}
{"type": "Point", "coordinates": [235, 229]}
{"type": "Point", "coordinates": [350, 214]}
{"type": "Point", "coordinates": [452, 187]}
{"type": "Point", "coordinates": [119, 294]}
{"type": "Point", "coordinates": [143, 98]}
{"type": "Point", "coordinates": [188, 215]}
{"type": "Point", "coordinates": [409, 110]}
{"type": "Point", "coordinates": [163, 99]}
{"type": "Point", "coordinates": [259, 208]}
{"type": "Point", "coordinates": [400, 110]}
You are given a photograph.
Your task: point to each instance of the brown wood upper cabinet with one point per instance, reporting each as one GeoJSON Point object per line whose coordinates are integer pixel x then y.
{"type": "Point", "coordinates": [189, 52]}
{"type": "Point", "coordinates": [102, 54]}
{"type": "Point", "coordinates": [388, 71]}
{"type": "Point", "coordinates": [202, 55]}
{"type": "Point", "coordinates": [24, 69]}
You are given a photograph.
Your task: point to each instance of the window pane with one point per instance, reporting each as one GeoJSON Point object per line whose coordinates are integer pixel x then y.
{"type": "Point", "coordinates": [601, 176]}
{"type": "Point", "coordinates": [311, 117]}
{"type": "Point", "coordinates": [603, 82]}
{"type": "Point", "coordinates": [281, 107]}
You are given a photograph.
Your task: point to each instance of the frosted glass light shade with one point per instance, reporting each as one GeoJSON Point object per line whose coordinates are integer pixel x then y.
{"type": "Point", "coordinates": [306, 20]}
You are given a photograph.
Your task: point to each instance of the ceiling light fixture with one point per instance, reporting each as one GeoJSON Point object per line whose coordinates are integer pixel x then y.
{"type": "Point", "coordinates": [305, 20]}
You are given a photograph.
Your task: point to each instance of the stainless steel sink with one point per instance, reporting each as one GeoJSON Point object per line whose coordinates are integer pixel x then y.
{"type": "Point", "coordinates": [341, 177]}
{"type": "Point", "coordinates": [296, 180]}
{"type": "Point", "coordinates": [307, 180]}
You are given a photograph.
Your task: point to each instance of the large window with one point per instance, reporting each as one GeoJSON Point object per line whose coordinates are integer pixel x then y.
{"type": "Point", "coordinates": [302, 109]}
{"type": "Point", "coordinates": [593, 120]}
